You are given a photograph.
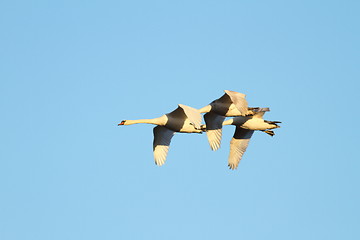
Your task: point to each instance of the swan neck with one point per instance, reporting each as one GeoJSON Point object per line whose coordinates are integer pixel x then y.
{"type": "Point", "coordinates": [205, 109]}
{"type": "Point", "coordinates": [228, 122]}
{"type": "Point", "coordinates": [237, 121]}
{"type": "Point", "coordinates": [155, 121]}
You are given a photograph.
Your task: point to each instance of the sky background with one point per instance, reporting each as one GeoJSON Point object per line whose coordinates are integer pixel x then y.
{"type": "Point", "coordinates": [70, 71]}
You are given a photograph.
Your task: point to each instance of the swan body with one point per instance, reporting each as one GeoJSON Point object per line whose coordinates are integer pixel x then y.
{"type": "Point", "coordinates": [245, 127]}
{"type": "Point", "coordinates": [257, 124]}
{"type": "Point", "coordinates": [229, 105]}
{"type": "Point", "coordinates": [184, 119]}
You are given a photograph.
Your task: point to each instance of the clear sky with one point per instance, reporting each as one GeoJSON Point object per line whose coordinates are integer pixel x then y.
{"type": "Point", "coordinates": [71, 70]}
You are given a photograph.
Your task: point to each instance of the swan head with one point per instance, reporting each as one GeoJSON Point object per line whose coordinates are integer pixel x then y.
{"type": "Point", "coordinates": [273, 124]}
{"type": "Point", "coordinates": [122, 123]}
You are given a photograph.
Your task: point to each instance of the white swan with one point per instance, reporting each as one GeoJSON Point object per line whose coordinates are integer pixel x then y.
{"type": "Point", "coordinates": [229, 105]}
{"type": "Point", "coordinates": [245, 127]}
{"type": "Point", "coordinates": [184, 119]}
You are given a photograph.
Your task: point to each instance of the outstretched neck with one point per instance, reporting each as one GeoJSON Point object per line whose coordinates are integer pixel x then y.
{"type": "Point", "coordinates": [238, 121]}
{"type": "Point", "coordinates": [205, 109]}
{"type": "Point", "coordinates": [157, 121]}
{"type": "Point", "coordinates": [228, 122]}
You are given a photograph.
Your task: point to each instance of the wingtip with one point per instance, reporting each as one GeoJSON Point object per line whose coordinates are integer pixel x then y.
{"type": "Point", "coordinates": [232, 166]}
{"type": "Point", "coordinates": [214, 146]}
{"type": "Point", "coordinates": [159, 162]}
{"type": "Point", "coordinates": [214, 149]}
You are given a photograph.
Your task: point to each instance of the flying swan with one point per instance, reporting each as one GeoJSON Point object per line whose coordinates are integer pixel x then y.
{"type": "Point", "coordinates": [231, 104]}
{"type": "Point", "coordinates": [184, 119]}
{"type": "Point", "coordinates": [245, 127]}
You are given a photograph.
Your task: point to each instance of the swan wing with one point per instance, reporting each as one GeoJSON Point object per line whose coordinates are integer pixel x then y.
{"type": "Point", "coordinates": [238, 145]}
{"type": "Point", "coordinates": [214, 129]}
{"type": "Point", "coordinates": [239, 101]}
{"type": "Point", "coordinates": [259, 113]}
{"type": "Point", "coordinates": [161, 144]}
{"type": "Point", "coordinates": [192, 114]}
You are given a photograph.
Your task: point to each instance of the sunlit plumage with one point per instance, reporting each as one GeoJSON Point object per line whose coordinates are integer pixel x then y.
{"type": "Point", "coordinates": [184, 119]}
{"type": "Point", "coordinates": [245, 127]}
{"type": "Point", "coordinates": [229, 105]}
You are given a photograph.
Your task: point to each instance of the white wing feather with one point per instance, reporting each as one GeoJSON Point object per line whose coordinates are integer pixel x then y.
{"type": "Point", "coordinates": [239, 101]}
{"type": "Point", "coordinates": [193, 115]}
{"type": "Point", "coordinates": [238, 145]}
{"type": "Point", "coordinates": [214, 129]}
{"type": "Point", "coordinates": [161, 144]}
{"type": "Point", "coordinates": [260, 112]}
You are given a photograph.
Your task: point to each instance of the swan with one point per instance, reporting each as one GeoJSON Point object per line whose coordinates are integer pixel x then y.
{"type": "Point", "coordinates": [245, 127]}
{"type": "Point", "coordinates": [231, 104]}
{"type": "Point", "coordinates": [183, 119]}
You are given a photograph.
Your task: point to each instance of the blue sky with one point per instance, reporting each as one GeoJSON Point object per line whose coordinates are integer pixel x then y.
{"type": "Point", "coordinates": [70, 71]}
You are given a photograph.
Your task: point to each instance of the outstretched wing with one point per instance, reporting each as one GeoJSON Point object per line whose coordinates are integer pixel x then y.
{"type": "Point", "coordinates": [259, 113]}
{"type": "Point", "coordinates": [239, 101]}
{"type": "Point", "coordinates": [161, 144]}
{"type": "Point", "coordinates": [214, 129]}
{"type": "Point", "coordinates": [192, 114]}
{"type": "Point", "coordinates": [238, 145]}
